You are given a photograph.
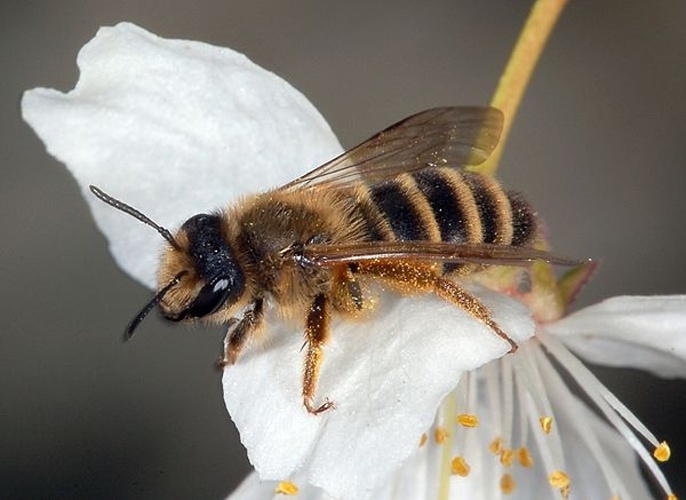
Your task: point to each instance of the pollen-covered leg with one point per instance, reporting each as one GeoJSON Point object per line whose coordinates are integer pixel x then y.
{"type": "Point", "coordinates": [414, 278]}
{"type": "Point", "coordinates": [347, 294]}
{"type": "Point", "coordinates": [452, 293]}
{"type": "Point", "coordinates": [316, 335]}
{"type": "Point", "coordinates": [236, 338]}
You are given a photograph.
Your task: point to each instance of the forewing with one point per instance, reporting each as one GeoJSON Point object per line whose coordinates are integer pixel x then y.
{"type": "Point", "coordinates": [427, 251]}
{"type": "Point", "coordinates": [449, 136]}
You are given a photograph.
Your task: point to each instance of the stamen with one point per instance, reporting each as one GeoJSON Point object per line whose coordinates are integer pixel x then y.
{"type": "Point", "coordinates": [506, 457]}
{"type": "Point", "coordinates": [494, 401]}
{"type": "Point", "coordinates": [546, 424]}
{"type": "Point", "coordinates": [579, 423]}
{"type": "Point", "coordinates": [460, 467]}
{"type": "Point", "coordinates": [496, 446]}
{"type": "Point", "coordinates": [468, 420]}
{"type": "Point", "coordinates": [441, 435]}
{"type": "Point", "coordinates": [524, 457]}
{"type": "Point", "coordinates": [507, 381]}
{"type": "Point", "coordinates": [423, 440]}
{"type": "Point", "coordinates": [507, 484]}
{"type": "Point", "coordinates": [662, 452]}
{"type": "Point", "coordinates": [558, 479]}
{"type": "Point", "coordinates": [529, 374]}
{"type": "Point", "coordinates": [286, 488]}
{"type": "Point", "coordinates": [614, 411]}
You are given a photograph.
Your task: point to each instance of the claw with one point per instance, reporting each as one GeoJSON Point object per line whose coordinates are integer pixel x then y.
{"type": "Point", "coordinates": [326, 406]}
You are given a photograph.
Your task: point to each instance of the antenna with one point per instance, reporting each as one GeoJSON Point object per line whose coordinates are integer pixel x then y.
{"type": "Point", "coordinates": [151, 305]}
{"type": "Point", "coordinates": [129, 210]}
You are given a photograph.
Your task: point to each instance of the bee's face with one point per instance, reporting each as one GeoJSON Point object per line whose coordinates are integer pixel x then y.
{"type": "Point", "coordinates": [206, 273]}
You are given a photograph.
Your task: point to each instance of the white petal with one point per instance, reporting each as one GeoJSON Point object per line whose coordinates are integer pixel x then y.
{"type": "Point", "coordinates": [648, 333]}
{"type": "Point", "coordinates": [387, 378]}
{"type": "Point", "coordinates": [173, 128]}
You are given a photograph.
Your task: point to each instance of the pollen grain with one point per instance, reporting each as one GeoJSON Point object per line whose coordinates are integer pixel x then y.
{"type": "Point", "coordinates": [441, 435]}
{"type": "Point", "coordinates": [286, 488]}
{"type": "Point", "coordinates": [507, 484]}
{"type": "Point", "coordinates": [546, 424]}
{"type": "Point", "coordinates": [524, 457]}
{"type": "Point", "coordinates": [662, 452]}
{"type": "Point", "coordinates": [468, 420]}
{"type": "Point", "coordinates": [460, 467]}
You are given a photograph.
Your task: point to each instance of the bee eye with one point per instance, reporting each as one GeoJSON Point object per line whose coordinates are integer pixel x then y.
{"type": "Point", "coordinates": [210, 298]}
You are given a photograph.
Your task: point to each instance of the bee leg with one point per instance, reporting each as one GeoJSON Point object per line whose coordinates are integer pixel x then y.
{"type": "Point", "coordinates": [353, 288]}
{"type": "Point", "coordinates": [236, 338]}
{"type": "Point", "coordinates": [416, 278]}
{"type": "Point", "coordinates": [452, 293]}
{"type": "Point", "coordinates": [316, 334]}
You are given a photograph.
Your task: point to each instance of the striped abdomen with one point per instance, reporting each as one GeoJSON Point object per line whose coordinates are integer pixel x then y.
{"type": "Point", "coordinates": [446, 204]}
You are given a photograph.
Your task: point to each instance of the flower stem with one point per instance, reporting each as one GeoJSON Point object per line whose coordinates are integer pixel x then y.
{"type": "Point", "coordinates": [519, 68]}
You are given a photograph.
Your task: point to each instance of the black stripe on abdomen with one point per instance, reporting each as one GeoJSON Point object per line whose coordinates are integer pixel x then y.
{"type": "Point", "coordinates": [487, 206]}
{"type": "Point", "coordinates": [524, 224]}
{"type": "Point", "coordinates": [395, 203]}
{"type": "Point", "coordinates": [444, 205]}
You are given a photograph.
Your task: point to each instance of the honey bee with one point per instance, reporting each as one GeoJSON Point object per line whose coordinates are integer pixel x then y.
{"type": "Point", "coordinates": [399, 209]}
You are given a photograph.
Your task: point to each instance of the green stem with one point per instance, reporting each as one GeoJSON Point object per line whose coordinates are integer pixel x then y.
{"type": "Point", "coordinates": [519, 68]}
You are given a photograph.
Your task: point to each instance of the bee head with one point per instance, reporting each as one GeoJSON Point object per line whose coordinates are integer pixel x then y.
{"type": "Point", "coordinates": [211, 276]}
{"type": "Point", "coordinates": [198, 273]}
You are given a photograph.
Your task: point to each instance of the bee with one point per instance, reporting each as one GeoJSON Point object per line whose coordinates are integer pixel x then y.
{"type": "Point", "coordinates": [399, 209]}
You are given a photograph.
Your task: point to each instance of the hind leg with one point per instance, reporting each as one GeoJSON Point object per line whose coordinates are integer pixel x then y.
{"type": "Point", "coordinates": [414, 279]}
{"type": "Point", "coordinates": [450, 292]}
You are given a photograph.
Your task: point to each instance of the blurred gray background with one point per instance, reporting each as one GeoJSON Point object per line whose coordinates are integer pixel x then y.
{"type": "Point", "coordinates": [598, 147]}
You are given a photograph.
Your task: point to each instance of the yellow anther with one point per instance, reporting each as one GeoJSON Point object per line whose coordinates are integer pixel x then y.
{"type": "Point", "coordinates": [546, 424]}
{"type": "Point", "coordinates": [524, 457]}
{"type": "Point", "coordinates": [615, 497]}
{"type": "Point", "coordinates": [496, 446]}
{"type": "Point", "coordinates": [507, 484]}
{"type": "Point", "coordinates": [441, 435]}
{"type": "Point", "coordinates": [506, 457]}
{"type": "Point", "coordinates": [468, 420]}
{"type": "Point", "coordinates": [460, 467]}
{"type": "Point", "coordinates": [662, 452]}
{"type": "Point", "coordinates": [423, 440]}
{"type": "Point", "coordinates": [558, 479]}
{"type": "Point", "coordinates": [286, 488]}
{"type": "Point", "coordinates": [672, 496]}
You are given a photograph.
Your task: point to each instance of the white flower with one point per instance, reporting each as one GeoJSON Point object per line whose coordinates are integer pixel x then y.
{"type": "Point", "coordinates": [175, 128]}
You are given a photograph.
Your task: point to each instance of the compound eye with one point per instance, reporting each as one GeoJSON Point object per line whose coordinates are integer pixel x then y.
{"type": "Point", "coordinates": [210, 298]}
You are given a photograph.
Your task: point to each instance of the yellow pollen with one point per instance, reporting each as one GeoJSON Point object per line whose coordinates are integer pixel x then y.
{"type": "Point", "coordinates": [460, 467]}
{"type": "Point", "coordinates": [496, 446]}
{"type": "Point", "coordinates": [546, 424]}
{"type": "Point", "coordinates": [524, 457]}
{"type": "Point", "coordinates": [423, 440]}
{"type": "Point", "coordinates": [615, 497]}
{"type": "Point", "coordinates": [468, 420]}
{"type": "Point", "coordinates": [286, 488]}
{"type": "Point", "coordinates": [441, 435]}
{"type": "Point", "coordinates": [662, 452]}
{"type": "Point", "coordinates": [507, 484]}
{"type": "Point", "coordinates": [672, 496]}
{"type": "Point", "coordinates": [560, 480]}
{"type": "Point", "coordinates": [506, 457]}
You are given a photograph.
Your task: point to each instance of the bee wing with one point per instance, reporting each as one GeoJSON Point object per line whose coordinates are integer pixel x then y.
{"type": "Point", "coordinates": [449, 136]}
{"type": "Point", "coordinates": [428, 251]}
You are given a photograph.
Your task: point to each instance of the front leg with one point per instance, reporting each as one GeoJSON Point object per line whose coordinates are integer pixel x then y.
{"type": "Point", "coordinates": [236, 339]}
{"type": "Point", "coordinates": [316, 335]}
